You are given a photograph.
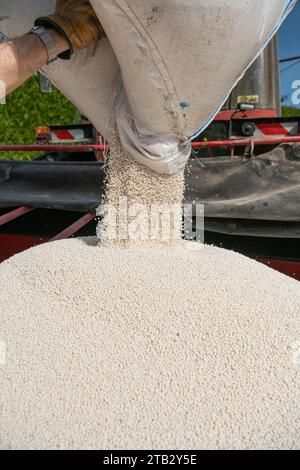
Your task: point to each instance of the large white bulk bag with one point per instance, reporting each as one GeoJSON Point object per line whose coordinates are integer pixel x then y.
{"type": "Point", "coordinates": [179, 60]}
{"type": "Point", "coordinates": [90, 79]}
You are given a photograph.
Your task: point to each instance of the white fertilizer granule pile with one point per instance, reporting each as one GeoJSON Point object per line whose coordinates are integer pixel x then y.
{"type": "Point", "coordinates": [166, 349]}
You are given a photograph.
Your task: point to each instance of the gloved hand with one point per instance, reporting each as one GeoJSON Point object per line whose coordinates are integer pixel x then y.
{"type": "Point", "coordinates": [76, 21]}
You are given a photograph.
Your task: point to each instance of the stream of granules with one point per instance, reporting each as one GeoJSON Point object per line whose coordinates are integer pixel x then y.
{"type": "Point", "coordinates": [141, 208]}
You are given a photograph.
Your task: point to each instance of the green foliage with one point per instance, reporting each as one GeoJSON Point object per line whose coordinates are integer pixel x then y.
{"type": "Point", "coordinates": [27, 108]}
{"type": "Point", "coordinates": [288, 111]}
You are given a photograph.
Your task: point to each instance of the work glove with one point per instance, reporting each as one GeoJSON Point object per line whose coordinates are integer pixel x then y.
{"type": "Point", "coordinates": [77, 22]}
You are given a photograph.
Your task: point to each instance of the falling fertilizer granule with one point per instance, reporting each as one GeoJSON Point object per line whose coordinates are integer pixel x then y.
{"type": "Point", "coordinates": [141, 207]}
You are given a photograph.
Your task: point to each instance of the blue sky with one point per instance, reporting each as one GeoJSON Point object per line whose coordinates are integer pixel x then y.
{"type": "Point", "coordinates": [289, 44]}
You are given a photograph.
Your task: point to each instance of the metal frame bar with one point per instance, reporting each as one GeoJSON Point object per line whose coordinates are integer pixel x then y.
{"type": "Point", "coordinates": [195, 145]}
{"type": "Point", "coordinates": [49, 148]}
{"type": "Point", "coordinates": [69, 231]}
{"type": "Point", "coordinates": [12, 215]}
{"type": "Point", "coordinates": [246, 142]}
{"type": "Point", "coordinates": [66, 233]}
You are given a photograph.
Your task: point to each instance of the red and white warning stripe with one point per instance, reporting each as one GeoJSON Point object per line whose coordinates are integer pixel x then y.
{"type": "Point", "coordinates": [276, 129]}
{"type": "Point", "coordinates": [67, 135]}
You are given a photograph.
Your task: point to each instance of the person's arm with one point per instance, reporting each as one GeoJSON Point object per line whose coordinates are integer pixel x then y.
{"type": "Point", "coordinates": [20, 58]}
{"type": "Point", "coordinates": [74, 26]}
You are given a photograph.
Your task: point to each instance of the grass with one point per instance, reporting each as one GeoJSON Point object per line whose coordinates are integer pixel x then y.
{"type": "Point", "coordinates": [27, 108]}
{"type": "Point", "coordinates": [288, 111]}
